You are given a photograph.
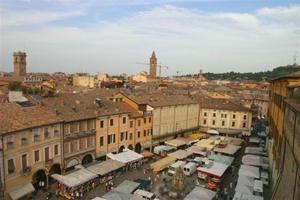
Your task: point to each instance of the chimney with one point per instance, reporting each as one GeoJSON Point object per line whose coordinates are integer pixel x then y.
{"type": "Point", "coordinates": [96, 112]}
{"type": "Point", "coordinates": [74, 109]}
{"type": "Point", "coordinates": [77, 102]}
{"type": "Point", "coordinates": [55, 112]}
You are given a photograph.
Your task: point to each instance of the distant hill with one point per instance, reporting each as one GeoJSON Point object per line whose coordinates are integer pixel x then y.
{"type": "Point", "coordinates": [257, 76]}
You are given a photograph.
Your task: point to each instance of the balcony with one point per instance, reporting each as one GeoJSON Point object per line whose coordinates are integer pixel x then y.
{"type": "Point", "coordinates": [56, 133]}
{"type": "Point", "coordinates": [24, 141]}
{"type": "Point", "coordinates": [36, 138]}
{"type": "Point", "coordinates": [26, 171]}
{"type": "Point", "coordinates": [46, 135]}
{"type": "Point", "coordinates": [48, 162]}
{"type": "Point", "coordinates": [10, 145]}
{"type": "Point", "coordinates": [80, 134]}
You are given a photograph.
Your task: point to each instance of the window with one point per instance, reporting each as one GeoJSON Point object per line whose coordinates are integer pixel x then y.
{"type": "Point", "coordinates": [131, 123]}
{"type": "Point", "coordinates": [84, 125]}
{"type": "Point", "coordinates": [139, 122]}
{"type": "Point", "coordinates": [214, 122]}
{"type": "Point", "coordinates": [24, 138]}
{"type": "Point", "coordinates": [233, 116]}
{"type": "Point", "coordinates": [245, 117]}
{"type": "Point", "coordinates": [56, 151]}
{"type": "Point", "coordinates": [101, 141]}
{"type": "Point", "coordinates": [76, 127]}
{"type": "Point", "coordinates": [214, 114]}
{"type": "Point", "coordinates": [75, 146]}
{"type": "Point", "coordinates": [204, 121]}
{"type": "Point", "coordinates": [67, 150]}
{"type": "Point", "coordinates": [92, 124]}
{"type": "Point", "coordinates": [170, 127]}
{"type": "Point", "coordinates": [244, 125]}
{"type": "Point", "coordinates": [56, 130]}
{"type": "Point", "coordinates": [9, 142]}
{"type": "Point", "coordinates": [224, 115]}
{"type": "Point", "coordinates": [92, 142]}
{"type": "Point", "coordinates": [101, 124]}
{"type": "Point", "coordinates": [139, 134]}
{"type": "Point", "coordinates": [67, 128]}
{"type": "Point", "coordinates": [233, 124]}
{"type": "Point", "coordinates": [111, 138]}
{"type": "Point", "coordinates": [46, 133]}
{"type": "Point", "coordinates": [47, 154]}
{"type": "Point", "coordinates": [149, 131]}
{"type": "Point", "coordinates": [223, 123]}
{"type": "Point", "coordinates": [205, 114]}
{"type": "Point", "coordinates": [36, 156]}
{"type": "Point", "coordinates": [177, 126]}
{"type": "Point", "coordinates": [130, 136]}
{"type": "Point", "coordinates": [145, 133]}
{"type": "Point", "coordinates": [123, 135]}
{"type": "Point", "coordinates": [145, 120]}
{"type": "Point", "coordinates": [83, 144]}
{"type": "Point", "coordinates": [124, 120]}
{"type": "Point", "coordinates": [111, 122]}
{"type": "Point", "coordinates": [149, 120]}
{"type": "Point", "coordinates": [10, 166]}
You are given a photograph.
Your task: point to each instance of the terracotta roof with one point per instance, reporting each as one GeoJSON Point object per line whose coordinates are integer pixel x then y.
{"type": "Point", "coordinates": [133, 111]}
{"type": "Point", "coordinates": [222, 104]}
{"type": "Point", "coordinates": [14, 117]}
{"type": "Point", "coordinates": [74, 107]}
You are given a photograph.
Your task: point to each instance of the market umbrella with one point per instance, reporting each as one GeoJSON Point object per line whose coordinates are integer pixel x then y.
{"type": "Point", "coordinates": [216, 180]}
{"type": "Point", "coordinates": [211, 185]}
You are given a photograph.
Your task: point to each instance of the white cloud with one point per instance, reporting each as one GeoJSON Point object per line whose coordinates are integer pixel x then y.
{"type": "Point", "coordinates": [184, 39]}
{"type": "Point", "coordinates": [11, 18]}
{"type": "Point", "coordinates": [290, 13]}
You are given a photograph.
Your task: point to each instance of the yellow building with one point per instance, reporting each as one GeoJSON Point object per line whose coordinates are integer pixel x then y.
{"type": "Point", "coordinates": [31, 148]}
{"type": "Point", "coordinates": [224, 116]}
{"type": "Point", "coordinates": [278, 92]}
{"type": "Point", "coordinates": [83, 79]}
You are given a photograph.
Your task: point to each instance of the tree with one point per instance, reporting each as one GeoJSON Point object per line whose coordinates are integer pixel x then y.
{"type": "Point", "coordinates": [15, 86]}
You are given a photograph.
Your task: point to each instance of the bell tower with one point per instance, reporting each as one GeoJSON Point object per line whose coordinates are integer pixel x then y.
{"type": "Point", "coordinates": [153, 64]}
{"type": "Point", "coordinates": [19, 63]}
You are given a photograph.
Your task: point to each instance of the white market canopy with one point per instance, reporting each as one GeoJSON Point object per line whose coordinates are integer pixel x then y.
{"type": "Point", "coordinates": [127, 187]}
{"type": "Point", "coordinates": [228, 149]}
{"type": "Point", "coordinates": [197, 150]}
{"type": "Point", "coordinates": [115, 195]}
{"type": "Point", "coordinates": [75, 178]}
{"type": "Point", "coordinates": [249, 171]}
{"type": "Point", "coordinates": [256, 151]}
{"type": "Point", "coordinates": [106, 167]}
{"type": "Point", "coordinates": [216, 169]}
{"type": "Point", "coordinates": [126, 156]}
{"type": "Point", "coordinates": [244, 189]}
{"type": "Point", "coordinates": [245, 180]}
{"type": "Point", "coordinates": [21, 191]}
{"type": "Point", "coordinates": [254, 140]}
{"type": "Point", "coordinates": [214, 132]}
{"type": "Point", "coordinates": [181, 154]}
{"type": "Point", "coordinates": [200, 193]}
{"type": "Point", "coordinates": [222, 159]}
{"type": "Point", "coordinates": [175, 143]}
{"type": "Point", "coordinates": [255, 160]}
{"type": "Point", "coordinates": [243, 196]}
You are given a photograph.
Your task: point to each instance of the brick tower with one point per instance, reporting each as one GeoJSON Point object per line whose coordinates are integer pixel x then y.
{"type": "Point", "coordinates": [153, 64]}
{"type": "Point", "coordinates": [19, 63]}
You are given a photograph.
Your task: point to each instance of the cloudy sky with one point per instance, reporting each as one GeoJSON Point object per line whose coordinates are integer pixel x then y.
{"type": "Point", "coordinates": [110, 36]}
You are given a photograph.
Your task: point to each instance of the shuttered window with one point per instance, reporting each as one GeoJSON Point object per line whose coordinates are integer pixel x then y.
{"type": "Point", "coordinates": [37, 155]}
{"type": "Point", "coordinates": [11, 166]}
{"type": "Point", "coordinates": [47, 154]}
{"type": "Point", "coordinates": [56, 149]}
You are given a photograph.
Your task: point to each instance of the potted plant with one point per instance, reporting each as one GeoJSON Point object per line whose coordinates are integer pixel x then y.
{"type": "Point", "coordinates": [24, 138]}
{"type": "Point", "coordinates": [10, 142]}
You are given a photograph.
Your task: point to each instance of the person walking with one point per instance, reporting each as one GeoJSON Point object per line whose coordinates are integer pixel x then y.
{"type": "Point", "coordinates": [230, 185]}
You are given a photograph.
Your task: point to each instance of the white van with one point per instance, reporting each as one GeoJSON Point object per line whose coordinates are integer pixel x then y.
{"type": "Point", "coordinates": [173, 168]}
{"type": "Point", "coordinates": [189, 169]}
{"type": "Point", "coordinates": [258, 188]}
{"type": "Point", "coordinates": [145, 195]}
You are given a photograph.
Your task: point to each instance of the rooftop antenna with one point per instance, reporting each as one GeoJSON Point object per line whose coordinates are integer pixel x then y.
{"type": "Point", "coordinates": [295, 56]}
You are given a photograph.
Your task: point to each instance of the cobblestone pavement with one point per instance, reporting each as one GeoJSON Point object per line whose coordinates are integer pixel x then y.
{"type": "Point", "coordinates": [132, 175]}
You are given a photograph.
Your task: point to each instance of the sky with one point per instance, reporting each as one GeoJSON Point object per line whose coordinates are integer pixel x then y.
{"type": "Point", "coordinates": [112, 36]}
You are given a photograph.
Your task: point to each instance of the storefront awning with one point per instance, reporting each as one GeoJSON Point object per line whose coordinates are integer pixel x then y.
{"type": "Point", "coordinates": [21, 191]}
{"type": "Point", "coordinates": [72, 163]}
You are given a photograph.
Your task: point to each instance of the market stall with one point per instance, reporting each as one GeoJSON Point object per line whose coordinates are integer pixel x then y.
{"type": "Point", "coordinates": [107, 169]}
{"type": "Point", "coordinates": [188, 140]}
{"type": "Point", "coordinates": [181, 154]}
{"type": "Point", "coordinates": [79, 179]}
{"type": "Point", "coordinates": [259, 151]}
{"type": "Point", "coordinates": [127, 187]}
{"type": "Point", "coordinates": [175, 143]}
{"type": "Point", "coordinates": [209, 144]}
{"type": "Point", "coordinates": [162, 150]}
{"type": "Point", "coordinates": [144, 184]}
{"type": "Point", "coordinates": [198, 150]}
{"type": "Point", "coordinates": [163, 163]}
{"type": "Point", "coordinates": [243, 196]}
{"type": "Point", "coordinates": [130, 158]}
{"type": "Point", "coordinates": [21, 191]}
{"type": "Point", "coordinates": [249, 171]}
{"type": "Point", "coordinates": [221, 159]}
{"type": "Point", "coordinates": [245, 180]}
{"type": "Point", "coordinates": [214, 169]}
{"type": "Point", "coordinates": [213, 132]}
{"type": "Point", "coordinates": [233, 141]}
{"type": "Point", "coordinates": [200, 193]}
{"type": "Point", "coordinates": [226, 149]}
{"type": "Point", "coordinates": [198, 135]}
{"type": "Point", "coordinates": [116, 195]}
{"type": "Point", "coordinates": [147, 156]}
{"type": "Point", "coordinates": [253, 160]}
